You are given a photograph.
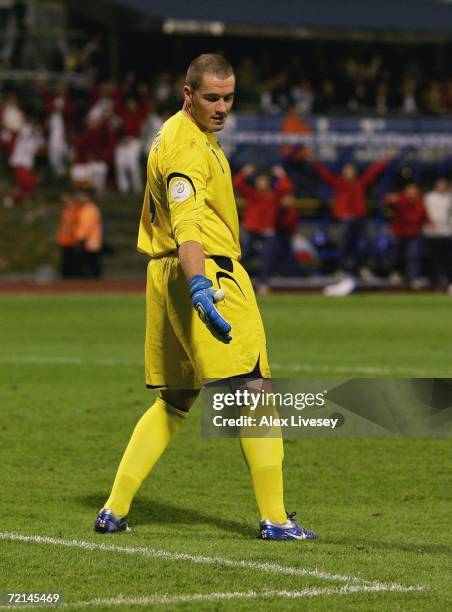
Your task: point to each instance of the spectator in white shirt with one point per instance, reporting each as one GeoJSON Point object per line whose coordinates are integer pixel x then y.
{"type": "Point", "coordinates": [438, 205]}
{"type": "Point", "coordinates": [29, 140]}
{"type": "Point", "coordinates": [57, 150]}
{"type": "Point", "coordinates": [11, 120]}
{"type": "Point", "coordinates": [128, 149]}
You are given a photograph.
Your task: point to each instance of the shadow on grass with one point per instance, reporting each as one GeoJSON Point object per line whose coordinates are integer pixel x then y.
{"type": "Point", "coordinates": [147, 511]}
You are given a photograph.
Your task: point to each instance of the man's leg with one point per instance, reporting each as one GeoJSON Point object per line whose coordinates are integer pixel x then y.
{"type": "Point", "coordinates": [413, 259]}
{"type": "Point", "coordinates": [443, 265]}
{"type": "Point", "coordinates": [434, 245]}
{"type": "Point", "coordinates": [94, 267]}
{"type": "Point", "coordinates": [66, 255]}
{"type": "Point", "coordinates": [247, 355]}
{"type": "Point", "coordinates": [250, 246]}
{"type": "Point", "coordinates": [361, 245]}
{"type": "Point", "coordinates": [244, 358]}
{"type": "Point", "coordinates": [134, 161]}
{"type": "Point", "coordinates": [264, 457]}
{"type": "Point", "coordinates": [122, 179]}
{"type": "Point", "coordinates": [449, 263]}
{"type": "Point", "coordinates": [345, 244]}
{"type": "Point", "coordinates": [267, 259]}
{"type": "Point", "coordinates": [152, 434]}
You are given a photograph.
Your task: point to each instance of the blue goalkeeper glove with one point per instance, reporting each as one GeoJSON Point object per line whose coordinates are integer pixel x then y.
{"type": "Point", "coordinates": [204, 299]}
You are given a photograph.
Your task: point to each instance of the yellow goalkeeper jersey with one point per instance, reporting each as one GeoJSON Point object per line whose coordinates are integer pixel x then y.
{"type": "Point", "coordinates": [189, 194]}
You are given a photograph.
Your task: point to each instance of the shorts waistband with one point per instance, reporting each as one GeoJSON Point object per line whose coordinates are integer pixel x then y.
{"type": "Point", "coordinates": [227, 263]}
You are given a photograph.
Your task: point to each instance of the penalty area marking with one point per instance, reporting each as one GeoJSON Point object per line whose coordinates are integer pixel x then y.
{"type": "Point", "coordinates": [294, 367]}
{"type": "Point", "coordinates": [153, 553]}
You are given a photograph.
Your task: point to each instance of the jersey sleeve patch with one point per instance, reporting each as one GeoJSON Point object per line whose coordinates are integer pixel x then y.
{"type": "Point", "coordinates": [180, 190]}
{"type": "Point", "coordinates": [180, 187]}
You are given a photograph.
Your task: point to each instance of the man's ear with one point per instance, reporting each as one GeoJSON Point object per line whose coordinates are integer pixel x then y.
{"type": "Point", "coordinates": [187, 93]}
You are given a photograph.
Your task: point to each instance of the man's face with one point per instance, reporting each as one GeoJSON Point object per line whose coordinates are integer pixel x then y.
{"type": "Point", "coordinates": [262, 182]}
{"type": "Point", "coordinates": [411, 191]}
{"type": "Point", "coordinates": [131, 105]}
{"type": "Point", "coordinates": [349, 172]}
{"type": "Point", "coordinates": [211, 103]}
{"type": "Point", "coordinates": [442, 185]}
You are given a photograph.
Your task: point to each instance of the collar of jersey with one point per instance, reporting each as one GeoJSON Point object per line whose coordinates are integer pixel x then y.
{"type": "Point", "coordinates": [209, 135]}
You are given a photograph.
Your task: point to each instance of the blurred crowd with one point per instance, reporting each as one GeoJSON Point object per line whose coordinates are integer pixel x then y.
{"type": "Point", "coordinates": [317, 76]}
{"type": "Point", "coordinates": [98, 138]}
{"type": "Point", "coordinates": [100, 135]}
{"type": "Point", "coordinates": [349, 85]}
{"type": "Point", "coordinates": [417, 249]}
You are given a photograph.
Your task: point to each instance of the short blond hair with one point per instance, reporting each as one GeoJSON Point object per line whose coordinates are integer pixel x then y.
{"type": "Point", "coordinates": [207, 63]}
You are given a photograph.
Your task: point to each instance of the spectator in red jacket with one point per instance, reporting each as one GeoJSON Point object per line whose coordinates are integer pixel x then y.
{"type": "Point", "coordinates": [94, 153]}
{"type": "Point", "coordinates": [349, 208]}
{"type": "Point", "coordinates": [128, 149]}
{"type": "Point", "coordinates": [409, 215]}
{"type": "Point", "coordinates": [260, 218]}
{"type": "Point", "coordinates": [287, 234]}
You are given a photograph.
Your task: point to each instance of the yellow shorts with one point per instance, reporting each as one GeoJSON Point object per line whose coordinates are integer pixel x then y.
{"type": "Point", "coordinates": [180, 352]}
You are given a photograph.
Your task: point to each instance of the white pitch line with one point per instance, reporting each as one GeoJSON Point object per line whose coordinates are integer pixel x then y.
{"type": "Point", "coordinates": [294, 367]}
{"type": "Point", "coordinates": [154, 600]}
{"type": "Point", "coordinates": [42, 360]}
{"type": "Point", "coordinates": [176, 556]}
{"type": "Point", "coordinates": [266, 594]}
{"type": "Point", "coordinates": [153, 553]}
{"type": "Point", "coordinates": [409, 372]}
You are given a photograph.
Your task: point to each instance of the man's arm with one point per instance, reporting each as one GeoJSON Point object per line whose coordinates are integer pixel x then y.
{"type": "Point", "coordinates": [326, 175]}
{"type": "Point", "coordinates": [191, 255]}
{"type": "Point", "coordinates": [283, 184]}
{"type": "Point", "coordinates": [192, 259]}
{"type": "Point", "coordinates": [186, 181]}
{"type": "Point", "coordinates": [372, 172]}
{"type": "Point", "coordinates": [425, 219]}
{"type": "Point", "coordinates": [241, 183]}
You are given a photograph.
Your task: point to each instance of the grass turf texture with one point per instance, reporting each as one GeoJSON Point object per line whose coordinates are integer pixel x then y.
{"type": "Point", "coordinates": [72, 390]}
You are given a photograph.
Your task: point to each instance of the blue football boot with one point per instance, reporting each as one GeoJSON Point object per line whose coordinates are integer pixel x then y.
{"type": "Point", "coordinates": [108, 522]}
{"type": "Point", "coordinates": [290, 530]}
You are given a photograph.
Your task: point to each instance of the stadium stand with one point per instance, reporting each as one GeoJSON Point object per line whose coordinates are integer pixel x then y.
{"type": "Point", "coordinates": [89, 118]}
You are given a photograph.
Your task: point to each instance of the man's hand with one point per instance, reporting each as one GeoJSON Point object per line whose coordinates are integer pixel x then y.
{"type": "Point", "coordinates": [204, 298]}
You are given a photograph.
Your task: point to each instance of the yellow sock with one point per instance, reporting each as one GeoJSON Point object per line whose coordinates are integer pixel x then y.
{"type": "Point", "coordinates": [264, 457]}
{"type": "Point", "coordinates": [151, 436]}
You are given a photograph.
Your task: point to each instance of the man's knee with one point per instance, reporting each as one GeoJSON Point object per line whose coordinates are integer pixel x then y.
{"type": "Point", "coordinates": [182, 399]}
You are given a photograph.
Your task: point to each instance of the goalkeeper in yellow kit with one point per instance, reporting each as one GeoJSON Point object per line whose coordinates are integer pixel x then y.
{"type": "Point", "coordinates": [189, 228]}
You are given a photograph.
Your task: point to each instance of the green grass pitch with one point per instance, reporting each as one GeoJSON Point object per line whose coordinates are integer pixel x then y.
{"type": "Point", "coordinates": [71, 382]}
